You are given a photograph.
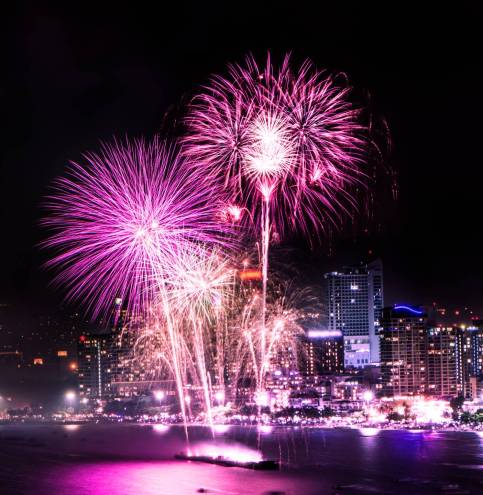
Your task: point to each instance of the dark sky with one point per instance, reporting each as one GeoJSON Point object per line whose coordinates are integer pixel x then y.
{"type": "Point", "coordinates": [74, 77]}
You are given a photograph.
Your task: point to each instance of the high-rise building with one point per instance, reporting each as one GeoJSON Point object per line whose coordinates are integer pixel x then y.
{"type": "Point", "coordinates": [476, 337]}
{"type": "Point", "coordinates": [323, 352]}
{"type": "Point", "coordinates": [95, 366]}
{"type": "Point", "coordinates": [403, 340]}
{"type": "Point", "coordinates": [355, 300]}
{"type": "Point", "coordinates": [469, 356]}
{"type": "Point", "coordinates": [131, 376]}
{"type": "Point", "coordinates": [442, 361]}
{"type": "Point", "coordinates": [441, 377]}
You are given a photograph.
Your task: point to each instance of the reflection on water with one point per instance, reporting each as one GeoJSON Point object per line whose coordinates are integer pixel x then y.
{"type": "Point", "coordinates": [71, 427]}
{"type": "Point", "coordinates": [220, 429]}
{"type": "Point", "coordinates": [232, 451]}
{"type": "Point", "coordinates": [167, 478]}
{"type": "Point", "coordinates": [369, 432]}
{"type": "Point", "coordinates": [161, 428]}
{"type": "Point", "coordinates": [138, 460]}
{"type": "Point", "coordinates": [265, 429]}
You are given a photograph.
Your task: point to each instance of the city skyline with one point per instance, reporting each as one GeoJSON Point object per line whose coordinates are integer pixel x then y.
{"type": "Point", "coordinates": [56, 342]}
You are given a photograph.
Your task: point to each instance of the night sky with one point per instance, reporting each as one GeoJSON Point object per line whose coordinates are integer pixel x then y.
{"type": "Point", "coordinates": [74, 77]}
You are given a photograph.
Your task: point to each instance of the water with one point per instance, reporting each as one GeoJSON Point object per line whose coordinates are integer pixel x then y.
{"type": "Point", "coordinates": [138, 460]}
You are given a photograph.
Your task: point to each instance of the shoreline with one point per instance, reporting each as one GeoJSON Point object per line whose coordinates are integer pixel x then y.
{"type": "Point", "coordinates": [435, 428]}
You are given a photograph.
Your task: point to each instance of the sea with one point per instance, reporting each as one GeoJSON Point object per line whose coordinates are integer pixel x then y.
{"type": "Point", "coordinates": [135, 459]}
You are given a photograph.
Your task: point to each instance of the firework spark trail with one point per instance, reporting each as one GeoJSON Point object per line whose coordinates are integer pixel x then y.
{"type": "Point", "coordinates": [200, 289]}
{"type": "Point", "coordinates": [120, 218]}
{"type": "Point", "coordinates": [293, 133]}
{"type": "Point", "coordinates": [201, 281]}
{"type": "Point", "coordinates": [119, 222]}
{"type": "Point", "coordinates": [283, 329]}
{"type": "Point", "coordinates": [287, 146]}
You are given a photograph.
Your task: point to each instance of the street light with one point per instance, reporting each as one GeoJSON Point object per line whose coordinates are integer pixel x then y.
{"type": "Point", "coordinates": [158, 395]}
{"type": "Point", "coordinates": [368, 395]}
{"type": "Point", "coordinates": [262, 398]}
{"type": "Point", "coordinates": [70, 396]}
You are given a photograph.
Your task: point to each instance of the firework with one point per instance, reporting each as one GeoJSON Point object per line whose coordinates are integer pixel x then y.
{"type": "Point", "coordinates": [120, 218]}
{"type": "Point", "coordinates": [291, 137]}
{"type": "Point", "coordinates": [275, 150]}
{"type": "Point", "coordinates": [286, 146]}
{"type": "Point", "coordinates": [279, 342]}
{"type": "Point", "coordinates": [201, 282]}
{"type": "Point", "coordinates": [199, 292]}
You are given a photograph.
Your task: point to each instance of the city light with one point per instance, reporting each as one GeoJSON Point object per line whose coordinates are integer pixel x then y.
{"type": "Point", "coordinates": [70, 396]}
{"type": "Point", "coordinates": [323, 334]}
{"type": "Point", "coordinates": [250, 275]}
{"type": "Point", "coordinates": [160, 428]}
{"type": "Point", "coordinates": [262, 398]}
{"type": "Point", "coordinates": [71, 427]}
{"type": "Point", "coordinates": [159, 395]}
{"type": "Point", "coordinates": [368, 395]}
{"type": "Point", "coordinates": [265, 429]}
{"type": "Point", "coordinates": [369, 432]}
{"type": "Point", "coordinates": [220, 429]}
{"type": "Point", "coordinates": [431, 411]}
{"type": "Point", "coordinates": [408, 308]}
{"type": "Point", "coordinates": [234, 452]}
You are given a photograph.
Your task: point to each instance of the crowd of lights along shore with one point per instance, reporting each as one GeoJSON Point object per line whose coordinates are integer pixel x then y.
{"type": "Point", "coordinates": [165, 227]}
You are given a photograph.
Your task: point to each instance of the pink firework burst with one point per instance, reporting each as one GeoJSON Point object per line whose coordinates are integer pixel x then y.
{"type": "Point", "coordinates": [290, 138]}
{"type": "Point", "coordinates": [119, 219]}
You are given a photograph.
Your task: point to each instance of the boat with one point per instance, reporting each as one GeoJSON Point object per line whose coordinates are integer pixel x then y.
{"type": "Point", "coordinates": [265, 465]}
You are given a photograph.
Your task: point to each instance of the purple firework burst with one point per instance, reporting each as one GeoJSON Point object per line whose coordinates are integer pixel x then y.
{"type": "Point", "coordinates": [119, 218]}
{"type": "Point", "coordinates": [289, 136]}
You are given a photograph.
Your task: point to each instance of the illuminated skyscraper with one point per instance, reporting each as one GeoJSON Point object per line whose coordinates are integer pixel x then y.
{"type": "Point", "coordinates": [469, 356]}
{"type": "Point", "coordinates": [95, 366]}
{"type": "Point", "coordinates": [404, 351]}
{"type": "Point", "coordinates": [355, 300]}
{"type": "Point", "coordinates": [442, 379]}
{"type": "Point", "coordinates": [476, 336]}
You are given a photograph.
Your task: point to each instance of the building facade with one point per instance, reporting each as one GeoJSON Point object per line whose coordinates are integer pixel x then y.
{"type": "Point", "coordinates": [355, 300]}
{"type": "Point", "coordinates": [469, 359]}
{"type": "Point", "coordinates": [323, 352]}
{"type": "Point", "coordinates": [403, 344]}
{"type": "Point", "coordinates": [442, 378]}
{"type": "Point", "coordinates": [95, 366]}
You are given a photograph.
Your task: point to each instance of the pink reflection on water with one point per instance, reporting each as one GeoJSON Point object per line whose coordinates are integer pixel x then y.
{"type": "Point", "coordinates": [160, 428]}
{"type": "Point", "coordinates": [234, 452]}
{"type": "Point", "coordinates": [168, 478]}
{"type": "Point", "coordinates": [369, 432]}
{"type": "Point", "coordinates": [221, 428]}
